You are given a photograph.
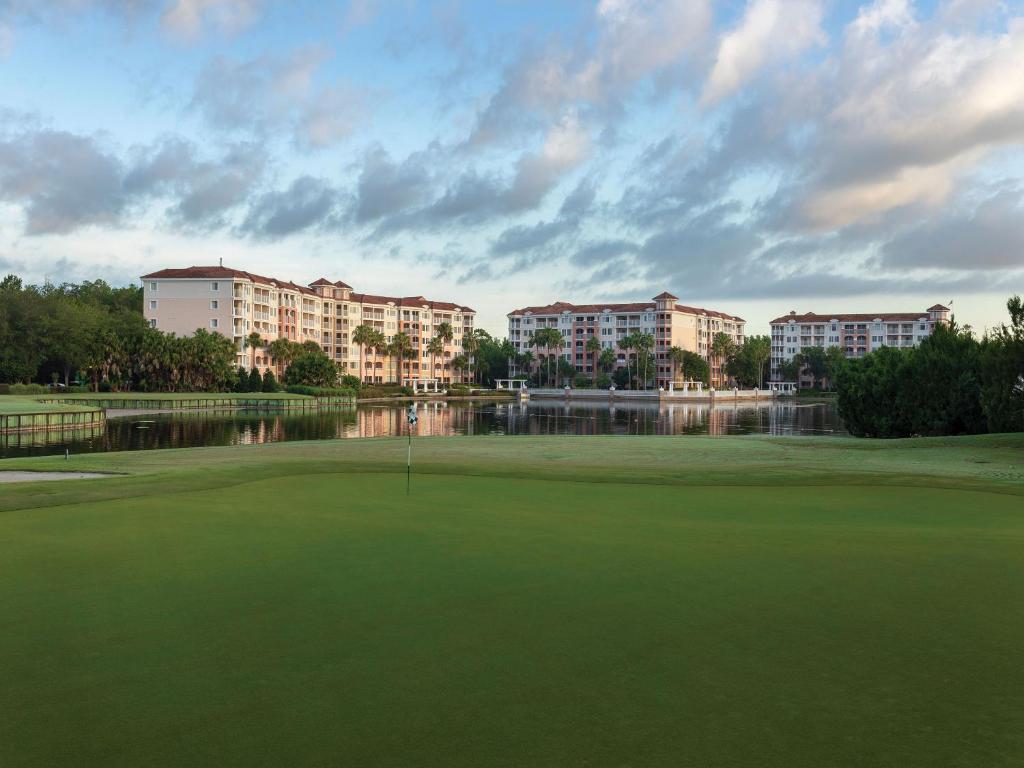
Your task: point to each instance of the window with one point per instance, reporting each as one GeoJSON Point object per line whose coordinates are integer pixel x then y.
{"type": "Point", "coordinates": [152, 323]}
{"type": "Point", "coordinates": [213, 322]}
{"type": "Point", "coordinates": [213, 304]}
{"type": "Point", "coordinates": [152, 305]}
{"type": "Point", "coordinates": [214, 286]}
{"type": "Point", "coordinates": [152, 286]}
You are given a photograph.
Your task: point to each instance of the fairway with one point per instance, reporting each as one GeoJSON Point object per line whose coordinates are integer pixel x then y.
{"type": "Point", "coordinates": [534, 602]}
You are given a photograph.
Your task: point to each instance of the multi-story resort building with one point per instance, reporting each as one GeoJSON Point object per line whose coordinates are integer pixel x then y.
{"type": "Point", "coordinates": [671, 325]}
{"type": "Point", "coordinates": [855, 334]}
{"type": "Point", "coordinates": [235, 303]}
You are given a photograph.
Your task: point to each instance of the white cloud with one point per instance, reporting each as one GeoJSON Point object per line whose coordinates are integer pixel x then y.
{"type": "Point", "coordinates": [912, 114]}
{"type": "Point", "coordinates": [770, 31]}
{"type": "Point", "coordinates": [633, 40]}
{"type": "Point", "coordinates": [185, 19]}
{"type": "Point", "coordinates": [270, 92]}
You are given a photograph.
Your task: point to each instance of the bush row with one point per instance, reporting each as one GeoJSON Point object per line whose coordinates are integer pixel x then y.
{"type": "Point", "coordinates": [302, 389]}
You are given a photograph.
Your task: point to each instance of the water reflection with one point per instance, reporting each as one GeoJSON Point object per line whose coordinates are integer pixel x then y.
{"type": "Point", "coordinates": [187, 429]}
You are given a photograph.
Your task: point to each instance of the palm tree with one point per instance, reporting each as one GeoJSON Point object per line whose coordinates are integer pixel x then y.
{"type": "Point", "coordinates": [722, 347]}
{"type": "Point", "coordinates": [471, 343]}
{"type": "Point", "coordinates": [379, 345]}
{"type": "Point", "coordinates": [254, 342]}
{"type": "Point", "coordinates": [538, 340]}
{"type": "Point", "coordinates": [556, 340]}
{"type": "Point", "coordinates": [626, 344]}
{"type": "Point", "coordinates": [524, 361]}
{"type": "Point", "coordinates": [677, 357]}
{"type": "Point", "coordinates": [401, 347]}
{"type": "Point", "coordinates": [435, 347]}
{"type": "Point", "coordinates": [363, 336]}
{"type": "Point", "coordinates": [643, 343]}
{"type": "Point", "coordinates": [444, 332]}
{"type": "Point", "coordinates": [460, 363]}
{"type": "Point", "coordinates": [607, 359]}
{"type": "Point", "coordinates": [594, 348]}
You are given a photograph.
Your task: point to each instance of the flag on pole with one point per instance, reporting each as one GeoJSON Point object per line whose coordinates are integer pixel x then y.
{"type": "Point", "coordinates": [412, 418]}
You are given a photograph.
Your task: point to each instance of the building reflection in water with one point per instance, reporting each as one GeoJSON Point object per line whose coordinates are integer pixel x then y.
{"type": "Point", "coordinates": [177, 430]}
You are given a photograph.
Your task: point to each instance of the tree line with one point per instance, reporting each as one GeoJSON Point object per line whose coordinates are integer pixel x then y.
{"type": "Point", "coordinates": [94, 335]}
{"type": "Point", "coordinates": [952, 383]}
{"type": "Point", "coordinates": [743, 364]}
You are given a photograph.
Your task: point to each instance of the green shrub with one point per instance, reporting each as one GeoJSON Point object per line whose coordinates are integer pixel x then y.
{"type": "Point", "coordinates": [255, 381]}
{"type": "Point", "coordinates": [303, 389]}
{"type": "Point", "coordinates": [312, 369]}
{"type": "Point", "coordinates": [27, 389]}
{"type": "Point", "coordinates": [269, 381]}
{"type": "Point", "coordinates": [582, 382]}
{"type": "Point", "coordinates": [350, 382]}
{"type": "Point", "coordinates": [384, 390]}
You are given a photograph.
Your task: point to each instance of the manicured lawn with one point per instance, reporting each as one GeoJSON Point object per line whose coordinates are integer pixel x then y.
{"type": "Point", "coordinates": [31, 404]}
{"type": "Point", "coordinates": [181, 396]}
{"type": "Point", "coordinates": [534, 602]}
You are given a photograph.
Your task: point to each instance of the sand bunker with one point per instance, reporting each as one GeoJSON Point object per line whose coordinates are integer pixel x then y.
{"type": "Point", "coordinates": [28, 477]}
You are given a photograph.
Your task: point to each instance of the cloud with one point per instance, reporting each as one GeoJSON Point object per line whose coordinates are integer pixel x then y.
{"type": "Point", "coordinates": [307, 203]}
{"type": "Point", "coordinates": [261, 96]}
{"type": "Point", "coordinates": [441, 196]}
{"type": "Point", "coordinates": [565, 147]}
{"type": "Point", "coordinates": [385, 187]}
{"type": "Point", "coordinates": [911, 107]}
{"type": "Point", "coordinates": [330, 117]}
{"type": "Point", "coordinates": [770, 31]}
{"type": "Point", "coordinates": [63, 181]}
{"type": "Point", "coordinates": [202, 191]}
{"type": "Point", "coordinates": [631, 41]}
{"type": "Point", "coordinates": [989, 237]}
{"type": "Point", "coordinates": [522, 238]}
{"type": "Point", "coordinates": [530, 239]}
{"type": "Point", "coordinates": [602, 252]}
{"type": "Point", "coordinates": [186, 19]}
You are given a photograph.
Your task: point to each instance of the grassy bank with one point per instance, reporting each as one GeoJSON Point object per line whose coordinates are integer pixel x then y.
{"type": "Point", "coordinates": [31, 404]}
{"type": "Point", "coordinates": [559, 601]}
{"type": "Point", "coordinates": [85, 397]}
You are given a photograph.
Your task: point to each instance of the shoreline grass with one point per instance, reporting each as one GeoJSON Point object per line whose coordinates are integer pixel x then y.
{"type": "Point", "coordinates": [25, 404]}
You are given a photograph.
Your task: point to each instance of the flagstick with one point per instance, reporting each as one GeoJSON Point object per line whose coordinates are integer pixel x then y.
{"type": "Point", "coordinates": [408, 464]}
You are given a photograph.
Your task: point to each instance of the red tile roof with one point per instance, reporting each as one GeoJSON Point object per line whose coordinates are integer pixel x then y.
{"type": "Point", "coordinates": [409, 301]}
{"type": "Point", "coordinates": [938, 308]}
{"type": "Point", "coordinates": [189, 273]}
{"type": "Point", "coordinates": [218, 272]}
{"type": "Point", "coordinates": [563, 306]}
{"type": "Point", "coordinates": [811, 317]}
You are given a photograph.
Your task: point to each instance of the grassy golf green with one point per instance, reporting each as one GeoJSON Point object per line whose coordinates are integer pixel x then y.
{"type": "Point", "coordinates": [535, 602]}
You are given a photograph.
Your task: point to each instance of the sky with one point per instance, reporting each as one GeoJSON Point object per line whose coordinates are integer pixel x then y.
{"type": "Point", "coordinates": [749, 156]}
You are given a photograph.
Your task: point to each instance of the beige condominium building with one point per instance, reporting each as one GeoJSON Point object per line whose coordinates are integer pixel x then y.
{"type": "Point", "coordinates": [235, 303]}
{"type": "Point", "coordinates": [671, 325]}
{"type": "Point", "coordinates": [856, 334]}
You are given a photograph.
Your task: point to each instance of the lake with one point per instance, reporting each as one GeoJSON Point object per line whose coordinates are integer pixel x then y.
{"type": "Point", "coordinates": [147, 431]}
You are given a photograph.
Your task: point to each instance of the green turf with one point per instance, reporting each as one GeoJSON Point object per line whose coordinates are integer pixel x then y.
{"type": "Point", "coordinates": [181, 396]}
{"type": "Point", "coordinates": [31, 404]}
{"type": "Point", "coordinates": [535, 602]}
